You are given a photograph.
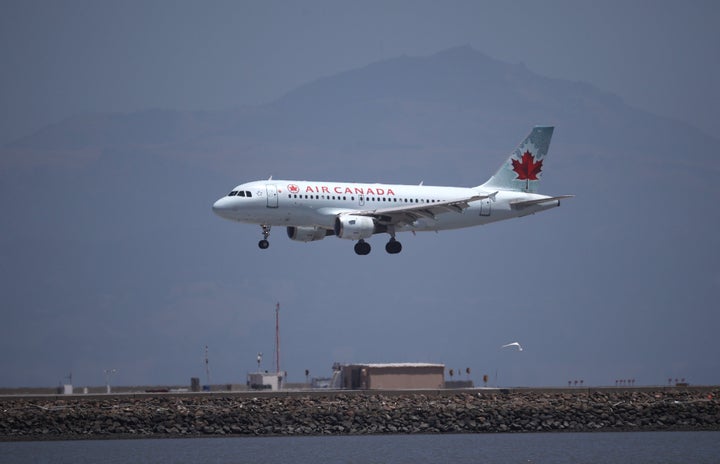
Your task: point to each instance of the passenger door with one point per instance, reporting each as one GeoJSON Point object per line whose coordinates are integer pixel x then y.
{"type": "Point", "coordinates": [272, 195]}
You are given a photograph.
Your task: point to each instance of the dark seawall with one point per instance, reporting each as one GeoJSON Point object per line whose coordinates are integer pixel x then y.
{"type": "Point", "coordinates": [344, 413]}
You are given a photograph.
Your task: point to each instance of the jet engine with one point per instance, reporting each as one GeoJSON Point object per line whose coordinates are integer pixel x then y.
{"type": "Point", "coordinates": [307, 234]}
{"type": "Point", "coordinates": [354, 227]}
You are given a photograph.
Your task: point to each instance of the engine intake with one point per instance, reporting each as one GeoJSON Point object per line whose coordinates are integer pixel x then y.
{"type": "Point", "coordinates": [354, 227]}
{"type": "Point", "coordinates": [307, 234]}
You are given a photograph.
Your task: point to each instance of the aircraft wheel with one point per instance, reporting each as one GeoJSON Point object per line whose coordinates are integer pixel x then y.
{"type": "Point", "coordinates": [393, 246]}
{"type": "Point", "coordinates": [263, 244]}
{"type": "Point", "coordinates": [362, 247]}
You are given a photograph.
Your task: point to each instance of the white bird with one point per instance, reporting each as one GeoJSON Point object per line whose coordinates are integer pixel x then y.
{"type": "Point", "coordinates": [513, 344]}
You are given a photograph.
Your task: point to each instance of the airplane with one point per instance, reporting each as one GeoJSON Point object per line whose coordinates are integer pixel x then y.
{"type": "Point", "coordinates": [312, 210]}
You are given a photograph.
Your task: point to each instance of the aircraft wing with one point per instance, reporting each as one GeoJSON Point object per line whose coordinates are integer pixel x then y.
{"type": "Point", "coordinates": [401, 215]}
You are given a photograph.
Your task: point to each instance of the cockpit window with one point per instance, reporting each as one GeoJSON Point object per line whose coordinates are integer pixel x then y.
{"type": "Point", "coordinates": [240, 193]}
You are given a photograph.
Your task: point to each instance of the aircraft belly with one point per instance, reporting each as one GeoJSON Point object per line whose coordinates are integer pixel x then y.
{"type": "Point", "coordinates": [451, 220]}
{"type": "Point", "coordinates": [297, 216]}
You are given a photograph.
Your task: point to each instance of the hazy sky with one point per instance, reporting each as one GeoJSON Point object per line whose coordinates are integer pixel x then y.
{"type": "Point", "coordinates": [60, 58]}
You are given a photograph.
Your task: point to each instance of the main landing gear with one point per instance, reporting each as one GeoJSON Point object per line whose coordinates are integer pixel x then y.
{"type": "Point", "coordinates": [263, 244]}
{"type": "Point", "coordinates": [393, 247]}
{"type": "Point", "coordinates": [362, 247]}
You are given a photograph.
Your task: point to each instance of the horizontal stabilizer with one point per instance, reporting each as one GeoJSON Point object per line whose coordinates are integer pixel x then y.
{"type": "Point", "coordinates": [539, 201]}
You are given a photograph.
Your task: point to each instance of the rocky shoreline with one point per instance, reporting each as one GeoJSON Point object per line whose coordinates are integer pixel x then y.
{"type": "Point", "coordinates": [472, 411]}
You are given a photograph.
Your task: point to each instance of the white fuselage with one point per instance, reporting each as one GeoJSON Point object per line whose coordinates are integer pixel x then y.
{"type": "Point", "coordinates": [317, 204]}
{"type": "Point", "coordinates": [353, 211]}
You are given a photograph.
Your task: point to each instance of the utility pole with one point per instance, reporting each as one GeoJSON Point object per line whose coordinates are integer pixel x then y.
{"type": "Point", "coordinates": [207, 367]}
{"type": "Point", "coordinates": [277, 338]}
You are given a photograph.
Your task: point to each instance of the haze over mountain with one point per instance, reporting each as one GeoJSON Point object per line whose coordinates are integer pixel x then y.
{"type": "Point", "coordinates": [112, 257]}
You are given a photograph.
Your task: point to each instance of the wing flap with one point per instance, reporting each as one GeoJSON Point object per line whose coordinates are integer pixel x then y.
{"type": "Point", "coordinates": [408, 214]}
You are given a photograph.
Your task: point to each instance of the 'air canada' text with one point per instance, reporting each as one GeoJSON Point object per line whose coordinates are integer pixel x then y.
{"type": "Point", "coordinates": [344, 190]}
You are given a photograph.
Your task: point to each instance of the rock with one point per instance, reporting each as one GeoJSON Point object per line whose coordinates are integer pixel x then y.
{"type": "Point", "coordinates": [361, 413]}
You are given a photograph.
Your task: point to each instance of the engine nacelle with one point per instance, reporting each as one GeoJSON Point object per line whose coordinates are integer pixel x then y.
{"type": "Point", "coordinates": [354, 227]}
{"type": "Point", "coordinates": [306, 234]}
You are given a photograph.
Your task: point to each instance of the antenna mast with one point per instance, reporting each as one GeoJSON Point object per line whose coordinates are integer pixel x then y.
{"type": "Point", "coordinates": [207, 365]}
{"type": "Point", "coordinates": [277, 337]}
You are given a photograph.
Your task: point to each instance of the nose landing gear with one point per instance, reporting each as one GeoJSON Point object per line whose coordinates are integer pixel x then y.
{"type": "Point", "coordinates": [263, 244]}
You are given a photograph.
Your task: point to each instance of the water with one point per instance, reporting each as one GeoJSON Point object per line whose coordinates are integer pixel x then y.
{"type": "Point", "coordinates": [558, 448]}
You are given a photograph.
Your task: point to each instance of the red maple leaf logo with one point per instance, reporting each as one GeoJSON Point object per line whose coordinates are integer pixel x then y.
{"type": "Point", "coordinates": [527, 168]}
{"type": "Point", "coordinates": [292, 188]}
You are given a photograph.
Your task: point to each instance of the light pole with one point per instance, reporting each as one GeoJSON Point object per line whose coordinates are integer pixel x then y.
{"type": "Point", "coordinates": [207, 367]}
{"type": "Point", "coordinates": [259, 360]}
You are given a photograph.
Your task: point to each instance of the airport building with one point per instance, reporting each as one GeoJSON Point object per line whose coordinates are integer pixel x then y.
{"type": "Point", "coordinates": [272, 381]}
{"type": "Point", "coordinates": [398, 376]}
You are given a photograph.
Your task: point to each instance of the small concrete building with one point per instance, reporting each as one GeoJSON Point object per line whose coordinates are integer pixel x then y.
{"type": "Point", "coordinates": [266, 380]}
{"type": "Point", "coordinates": [399, 376]}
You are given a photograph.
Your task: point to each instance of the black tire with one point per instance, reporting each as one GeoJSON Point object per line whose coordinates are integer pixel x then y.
{"type": "Point", "coordinates": [263, 244]}
{"type": "Point", "coordinates": [362, 248]}
{"type": "Point", "coordinates": [393, 247]}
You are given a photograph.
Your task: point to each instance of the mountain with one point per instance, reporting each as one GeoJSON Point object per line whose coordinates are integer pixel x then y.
{"type": "Point", "coordinates": [112, 258]}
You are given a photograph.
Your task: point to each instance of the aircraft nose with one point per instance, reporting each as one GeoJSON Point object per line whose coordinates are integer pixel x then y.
{"type": "Point", "coordinates": [222, 207]}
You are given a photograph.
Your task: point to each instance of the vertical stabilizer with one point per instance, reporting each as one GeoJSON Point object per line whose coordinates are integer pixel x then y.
{"type": "Point", "coordinates": [523, 169]}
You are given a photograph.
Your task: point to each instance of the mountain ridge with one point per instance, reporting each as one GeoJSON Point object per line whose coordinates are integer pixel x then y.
{"type": "Point", "coordinates": [402, 113]}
